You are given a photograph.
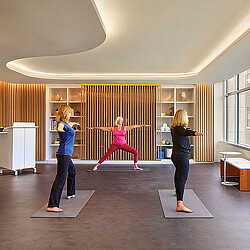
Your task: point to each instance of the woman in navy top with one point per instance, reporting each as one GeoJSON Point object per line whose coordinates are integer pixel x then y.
{"type": "Point", "coordinates": [180, 155]}
{"type": "Point", "coordinates": [65, 166]}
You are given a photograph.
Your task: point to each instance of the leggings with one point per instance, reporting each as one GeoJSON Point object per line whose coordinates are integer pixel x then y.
{"type": "Point", "coordinates": [65, 167]}
{"type": "Point", "coordinates": [114, 147]}
{"type": "Point", "coordinates": [181, 163]}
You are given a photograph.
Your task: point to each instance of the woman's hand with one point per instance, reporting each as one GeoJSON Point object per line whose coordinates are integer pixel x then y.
{"type": "Point", "coordinates": [198, 134]}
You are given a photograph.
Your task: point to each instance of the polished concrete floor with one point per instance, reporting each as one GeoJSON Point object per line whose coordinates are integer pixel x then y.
{"type": "Point", "coordinates": [124, 212]}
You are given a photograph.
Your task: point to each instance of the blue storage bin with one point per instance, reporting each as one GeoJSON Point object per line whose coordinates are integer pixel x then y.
{"type": "Point", "coordinates": [161, 154]}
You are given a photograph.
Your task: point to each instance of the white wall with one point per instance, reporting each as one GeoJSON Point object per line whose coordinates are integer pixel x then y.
{"type": "Point", "coordinates": [219, 126]}
{"type": "Point", "coordinates": [218, 119]}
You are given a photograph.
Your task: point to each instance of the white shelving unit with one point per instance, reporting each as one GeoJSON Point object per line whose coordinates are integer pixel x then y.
{"type": "Point", "coordinates": [171, 101]}
{"type": "Point", "coordinates": [70, 96]}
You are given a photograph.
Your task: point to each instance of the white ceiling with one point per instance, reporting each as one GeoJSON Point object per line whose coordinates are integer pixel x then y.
{"type": "Point", "coordinates": [165, 41]}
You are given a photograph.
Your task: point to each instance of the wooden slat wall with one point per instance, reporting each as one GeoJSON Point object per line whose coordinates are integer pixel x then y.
{"type": "Point", "coordinates": [101, 104]}
{"type": "Point", "coordinates": [204, 146]}
{"type": "Point", "coordinates": [25, 103]}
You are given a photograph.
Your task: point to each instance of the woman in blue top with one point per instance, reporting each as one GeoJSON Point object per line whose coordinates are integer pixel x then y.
{"type": "Point", "coordinates": [180, 155]}
{"type": "Point", "coordinates": [65, 165]}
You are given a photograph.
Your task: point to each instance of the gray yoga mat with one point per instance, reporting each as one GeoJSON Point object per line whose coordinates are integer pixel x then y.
{"type": "Point", "coordinates": [71, 207]}
{"type": "Point", "coordinates": [118, 169]}
{"type": "Point", "coordinates": [191, 200]}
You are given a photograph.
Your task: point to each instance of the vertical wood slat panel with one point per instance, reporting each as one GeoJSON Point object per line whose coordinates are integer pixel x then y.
{"type": "Point", "coordinates": [25, 103]}
{"type": "Point", "coordinates": [204, 148]}
{"type": "Point", "coordinates": [136, 103]}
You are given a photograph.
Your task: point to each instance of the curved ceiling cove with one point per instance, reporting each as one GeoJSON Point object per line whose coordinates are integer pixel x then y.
{"type": "Point", "coordinates": [47, 28]}
{"type": "Point", "coordinates": [150, 39]}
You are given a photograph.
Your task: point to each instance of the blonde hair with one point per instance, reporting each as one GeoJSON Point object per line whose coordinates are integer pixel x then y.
{"type": "Point", "coordinates": [180, 118]}
{"type": "Point", "coordinates": [63, 113]}
{"type": "Point", "coordinates": [118, 118]}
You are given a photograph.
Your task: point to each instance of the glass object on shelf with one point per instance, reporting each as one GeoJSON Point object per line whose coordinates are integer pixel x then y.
{"type": "Point", "coordinates": [57, 94]}
{"type": "Point", "coordinates": [165, 127]}
{"type": "Point", "coordinates": [183, 97]}
{"type": "Point", "coordinates": [167, 95]}
{"type": "Point", "coordinates": [184, 94]}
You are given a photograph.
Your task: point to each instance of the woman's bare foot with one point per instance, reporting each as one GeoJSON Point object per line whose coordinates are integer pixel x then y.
{"type": "Point", "coordinates": [136, 167]}
{"type": "Point", "coordinates": [54, 209]}
{"type": "Point", "coordinates": [181, 208]}
{"type": "Point", "coordinates": [95, 167]}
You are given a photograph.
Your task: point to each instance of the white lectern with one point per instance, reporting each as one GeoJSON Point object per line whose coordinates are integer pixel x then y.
{"type": "Point", "coordinates": [18, 146]}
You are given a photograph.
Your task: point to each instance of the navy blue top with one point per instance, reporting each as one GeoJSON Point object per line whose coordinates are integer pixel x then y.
{"type": "Point", "coordinates": [181, 141]}
{"type": "Point", "coordinates": [66, 146]}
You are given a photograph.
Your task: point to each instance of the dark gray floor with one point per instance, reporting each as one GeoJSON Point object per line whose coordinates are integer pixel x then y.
{"type": "Point", "coordinates": [124, 212]}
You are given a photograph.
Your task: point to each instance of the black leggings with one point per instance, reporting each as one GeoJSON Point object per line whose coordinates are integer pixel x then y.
{"type": "Point", "coordinates": [65, 167]}
{"type": "Point", "coordinates": [181, 163]}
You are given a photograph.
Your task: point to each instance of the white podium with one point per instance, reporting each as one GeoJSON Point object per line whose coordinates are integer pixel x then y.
{"type": "Point", "coordinates": [18, 147]}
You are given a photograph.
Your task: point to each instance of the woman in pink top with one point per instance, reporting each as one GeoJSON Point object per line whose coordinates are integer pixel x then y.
{"type": "Point", "coordinates": [119, 141]}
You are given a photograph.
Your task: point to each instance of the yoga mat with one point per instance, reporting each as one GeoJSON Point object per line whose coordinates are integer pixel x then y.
{"type": "Point", "coordinates": [118, 169]}
{"type": "Point", "coordinates": [71, 207]}
{"type": "Point", "coordinates": [191, 200]}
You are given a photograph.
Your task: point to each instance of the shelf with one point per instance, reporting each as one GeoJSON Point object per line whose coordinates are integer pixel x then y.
{"type": "Point", "coordinates": [74, 116]}
{"type": "Point", "coordinates": [74, 102]}
{"type": "Point", "coordinates": [163, 131]}
{"type": "Point", "coordinates": [168, 102]}
{"type": "Point", "coordinates": [57, 145]}
{"type": "Point", "coordinates": [56, 130]}
{"type": "Point", "coordinates": [58, 102]}
{"type": "Point", "coordinates": [168, 116]}
{"type": "Point", "coordinates": [188, 102]}
{"type": "Point", "coordinates": [165, 116]}
{"type": "Point", "coordinates": [168, 145]}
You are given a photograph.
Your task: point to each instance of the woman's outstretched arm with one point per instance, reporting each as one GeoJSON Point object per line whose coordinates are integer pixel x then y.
{"type": "Point", "coordinates": [188, 132]}
{"type": "Point", "coordinates": [101, 128]}
{"type": "Point", "coordinates": [135, 126]}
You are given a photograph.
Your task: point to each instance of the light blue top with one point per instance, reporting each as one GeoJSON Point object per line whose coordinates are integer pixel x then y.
{"type": "Point", "coordinates": [66, 146]}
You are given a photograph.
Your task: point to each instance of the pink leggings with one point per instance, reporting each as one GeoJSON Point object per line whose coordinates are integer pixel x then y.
{"type": "Point", "coordinates": [114, 147]}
